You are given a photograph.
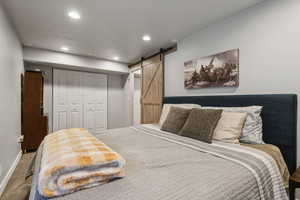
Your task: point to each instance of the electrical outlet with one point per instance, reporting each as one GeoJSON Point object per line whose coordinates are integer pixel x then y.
{"type": "Point", "coordinates": [21, 139]}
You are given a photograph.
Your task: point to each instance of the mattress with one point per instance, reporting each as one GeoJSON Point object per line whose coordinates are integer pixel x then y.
{"type": "Point", "coordinates": [269, 149]}
{"type": "Point", "coordinates": [166, 166]}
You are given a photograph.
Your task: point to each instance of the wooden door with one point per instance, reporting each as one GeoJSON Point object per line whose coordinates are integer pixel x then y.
{"type": "Point", "coordinates": [95, 102]}
{"type": "Point", "coordinates": [34, 123]}
{"type": "Point", "coordinates": [152, 89]}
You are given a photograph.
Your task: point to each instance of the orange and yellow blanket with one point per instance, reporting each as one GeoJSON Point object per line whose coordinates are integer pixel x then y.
{"type": "Point", "coordinates": [73, 159]}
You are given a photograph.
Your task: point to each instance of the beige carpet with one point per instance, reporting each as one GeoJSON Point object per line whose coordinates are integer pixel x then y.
{"type": "Point", "coordinates": [18, 188]}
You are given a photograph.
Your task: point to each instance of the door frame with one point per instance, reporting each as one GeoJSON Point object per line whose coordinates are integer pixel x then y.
{"type": "Point", "coordinates": [133, 92]}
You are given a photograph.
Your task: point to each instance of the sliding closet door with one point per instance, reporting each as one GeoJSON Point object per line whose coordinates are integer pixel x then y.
{"type": "Point", "coordinates": [79, 100]}
{"type": "Point", "coordinates": [60, 100]}
{"type": "Point", "coordinates": [74, 95]}
{"type": "Point", "coordinates": [95, 102]}
{"type": "Point", "coordinates": [152, 89]}
{"type": "Point", "coordinates": [67, 100]}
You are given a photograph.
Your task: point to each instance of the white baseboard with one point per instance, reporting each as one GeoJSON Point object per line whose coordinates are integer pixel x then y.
{"type": "Point", "coordinates": [9, 173]}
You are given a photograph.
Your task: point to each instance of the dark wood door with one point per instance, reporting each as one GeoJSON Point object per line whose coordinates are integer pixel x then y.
{"type": "Point", "coordinates": [34, 123]}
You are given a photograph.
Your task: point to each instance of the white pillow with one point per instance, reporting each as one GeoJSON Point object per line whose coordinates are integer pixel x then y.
{"type": "Point", "coordinates": [252, 131]}
{"type": "Point", "coordinates": [229, 127]}
{"type": "Point", "coordinates": [166, 109]}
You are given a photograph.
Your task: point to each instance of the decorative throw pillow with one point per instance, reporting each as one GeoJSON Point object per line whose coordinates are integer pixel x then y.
{"type": "Point", "coordinates": [201, 124]}
{"type": "Point", "coordinates": [175, 119]}
{"type": "Point", "coordinates": [166, 109]}
{"type": "Point", "coordinates": [252, 131]}
{"type": "Point", "coordinates": [230, 126]}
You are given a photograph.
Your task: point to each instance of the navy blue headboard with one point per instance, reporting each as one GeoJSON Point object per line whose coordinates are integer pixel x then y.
{"type": "Point", "coordinates": [279, 117]}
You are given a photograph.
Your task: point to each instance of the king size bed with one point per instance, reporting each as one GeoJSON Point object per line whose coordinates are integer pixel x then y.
{"type": "Point", "coordinates": [166, 166]}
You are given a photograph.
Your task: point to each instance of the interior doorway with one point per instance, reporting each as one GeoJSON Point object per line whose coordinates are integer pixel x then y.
{"type": "Point", "coordinates": [137, 97]}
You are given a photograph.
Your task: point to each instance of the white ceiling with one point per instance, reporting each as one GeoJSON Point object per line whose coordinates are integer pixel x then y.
{"type": "Point", "coordinates": [110, 28]}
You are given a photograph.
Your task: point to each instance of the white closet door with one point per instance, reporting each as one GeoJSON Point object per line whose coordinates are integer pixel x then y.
{"type": "Point", "coordinates": [101, 103]}
{"type": "Point", "coordinates": [95, 102]}
{"type": "Point", "coordinates": [60, 100]}
{"type": "Point", "coordinates": [67, 102]}
{"type": "Point", "coordinates": [75, 100]}
{"type": "Point", "coordinates": [80, 100]}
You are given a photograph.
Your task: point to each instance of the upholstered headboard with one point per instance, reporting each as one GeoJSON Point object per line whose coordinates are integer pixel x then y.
{"type": "Point", "coordinates": [279, 117]}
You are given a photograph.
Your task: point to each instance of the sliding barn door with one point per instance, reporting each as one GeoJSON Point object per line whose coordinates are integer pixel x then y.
{"type": "Point", "coordinates": [79, 100]}
{"type": "Point", "coordinates": [152, 89]}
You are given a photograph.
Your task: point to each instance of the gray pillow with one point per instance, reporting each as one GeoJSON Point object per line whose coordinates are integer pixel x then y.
{"type": "Point", "coordinates": [201, 123]}
{"type": "Point", "coordinates": [175, 119]}
{"type": "Point", "coordinates": [166, 109]}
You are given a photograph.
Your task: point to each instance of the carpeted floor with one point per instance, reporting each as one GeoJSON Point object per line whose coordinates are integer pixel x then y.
{"type": "Point", "coordinates": [18, 187]}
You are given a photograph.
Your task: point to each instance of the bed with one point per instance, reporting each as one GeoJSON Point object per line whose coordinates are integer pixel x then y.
{"type": "Point", "coordinates": [162, 165]}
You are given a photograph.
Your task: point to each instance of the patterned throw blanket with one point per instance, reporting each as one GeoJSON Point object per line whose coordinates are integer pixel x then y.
{"type": "Point", "coordinates": [73, 159]}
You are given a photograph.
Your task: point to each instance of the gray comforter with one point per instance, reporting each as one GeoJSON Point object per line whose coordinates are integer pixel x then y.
{"type": "Point", "coordinates": [165, 166]}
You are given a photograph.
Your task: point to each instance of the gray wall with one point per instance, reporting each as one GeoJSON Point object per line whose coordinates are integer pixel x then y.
{"type": "Point", "coordinates": [268, 37]}
{"type": "Point", "coordinates": [117, 113]}
{"type": "Point", "coordinates": [128, 82]}
{"type": "Point", "coordinates": [11, 66]}
{"type": "Point", "coordinates": [73, 61]}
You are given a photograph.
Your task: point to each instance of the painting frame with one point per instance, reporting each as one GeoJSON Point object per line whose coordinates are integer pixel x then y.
{"type": "Point", "coordinates": [216, 70]}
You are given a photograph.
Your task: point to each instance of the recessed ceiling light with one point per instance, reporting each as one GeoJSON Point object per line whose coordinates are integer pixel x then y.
{"type": "Point", "coordinates": [74, 14]}
{"type": "Point", "coordinates": [146, 38]}
{"type": "Point", "coordinates": [64, 48]}
{"type": "Point", "coordinates": [116, 58]}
